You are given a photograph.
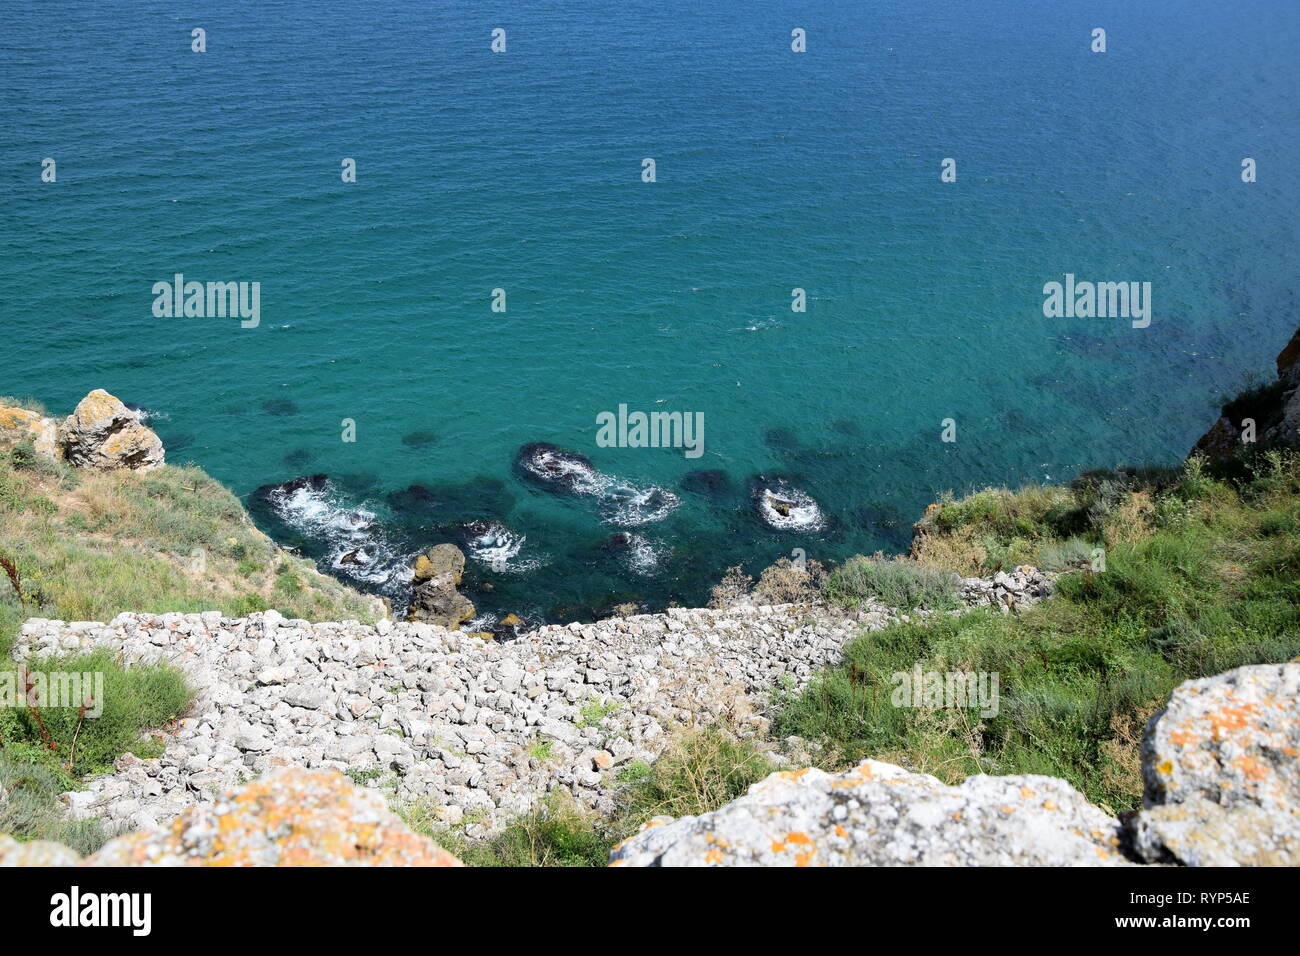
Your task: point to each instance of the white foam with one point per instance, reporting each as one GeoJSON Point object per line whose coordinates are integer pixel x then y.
{"type": "Point", "coordinates": [803, 513]}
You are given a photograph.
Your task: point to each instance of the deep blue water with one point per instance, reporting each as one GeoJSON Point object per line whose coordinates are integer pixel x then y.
{"type": "Point", "coordinates": [522, 171]}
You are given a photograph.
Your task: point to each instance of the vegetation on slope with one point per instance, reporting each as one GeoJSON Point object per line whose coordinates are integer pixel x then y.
{"type": "Point", "coordinates": [86, 545]}
{"type": "Point", "coordinates": [1201, 575]}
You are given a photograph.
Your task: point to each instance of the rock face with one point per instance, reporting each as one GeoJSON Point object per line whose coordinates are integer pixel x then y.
{"type": "Point", "coordinates": [103, 433]}
{"type": "Point", "coordinates": [1287, 430]}
{"type": "Point", "coordinates": [1221, 765]}
{"type": "Point", "coordinates": [1277, 419]}
{"type": "Point", "coordinates": [1220, 442]}
{"type": "Point", "coordinates": [288, 818]}
{"type": "Point", "coordinates": [19, 424]}
{"type": "Point", "coordinates": [435, 599]}
{"type": "Point", "coordinates": [1288, 361]}
{"type": "Point", "coordinates": [878, 814]}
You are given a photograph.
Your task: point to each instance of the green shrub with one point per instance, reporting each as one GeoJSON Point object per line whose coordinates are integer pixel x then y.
{"type": "Point", "coordinates": [30, 785]}
{"type": "Point", "coordinates": [134, 700]}
{"type": "Point", "coordinates": [894, 582]}
{"type": "Point", "coordinates": [1065, 555]}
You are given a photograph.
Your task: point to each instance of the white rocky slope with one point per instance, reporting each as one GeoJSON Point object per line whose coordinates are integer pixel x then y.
{"type": "Point", "coordinates": [477, 729]}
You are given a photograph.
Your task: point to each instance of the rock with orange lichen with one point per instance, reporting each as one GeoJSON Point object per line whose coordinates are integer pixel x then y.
{"type": "Point", "coordinates": [291, 817]}
{"type": "Point", "coordinates": [878, 814]}
{"type": "Point", "coordinates": [21, 425]}
{"type": "Point", "coordinates": [35, 853]}
{"type": "Point", "coordinates": [103, 433]}
{"type": "Point", "coordinates": [1221, 765]}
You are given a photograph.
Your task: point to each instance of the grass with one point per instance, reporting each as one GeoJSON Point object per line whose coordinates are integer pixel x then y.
{"type": "Point", "coordinates": [84, 545]}
{"type": "Point", "coordinates": [1202, 574]}
{"type": "Point", "coordinates": [895, 582]}
{"type": "Point", "coordinates": [171, 539]}
{"type": "Point", "coordinates": [699, 771]}
{"type": "Point", "coordinates": [30, 807]}
{"type": "Point", "coordinates": [132, 700]}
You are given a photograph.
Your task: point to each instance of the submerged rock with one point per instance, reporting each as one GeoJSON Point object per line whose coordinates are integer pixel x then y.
{"type": "Point", "coordinates": [711, 483]}
{"type": "Point", "coordinates": [1221, 765]}
{"type": "Point", "coordinates": [435, 599]}
{"type": "Point", "coordinates": [287, 489]}
{"type": "Point", "coordinates": [878, 814]}
{"type": "Point", "coordinates": [103, 433]}
{"type": "Point", "coordinates": [556, 468]}
{"type": "Point", "coordinates": [785, 507]}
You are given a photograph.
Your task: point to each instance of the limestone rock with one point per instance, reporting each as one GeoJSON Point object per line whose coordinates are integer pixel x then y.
{"type": "Point", "coordinates": [442, 561]}
{"type": "Point", "coordinates": [1221, 764]}
{"type": "Point", "coordinates": [19, 424]}
{"type": "Point", "coordinates": [289, 817]}
{"type": "Point", "coordinates": [435, 599]}
{"type": "Point", "coordinates": [36, 853]}
{"type": "Point", "coordinates": [103, 433]}
{"type": "Point", "coordinates": [878, 814]}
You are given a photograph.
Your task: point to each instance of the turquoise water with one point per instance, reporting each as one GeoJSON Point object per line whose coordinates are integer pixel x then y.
{"type": "Point", "coordinates": [522, 171]}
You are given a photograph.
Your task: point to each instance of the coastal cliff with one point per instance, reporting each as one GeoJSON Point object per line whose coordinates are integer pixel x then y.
{"type": "Point", "coordinates": [1124, 614]}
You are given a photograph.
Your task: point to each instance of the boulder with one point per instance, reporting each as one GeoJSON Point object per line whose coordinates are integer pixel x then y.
{"type": "Point", "coordinates": [435, 599]}
{"type": "Point", "coordinates": [441, 562]}
{"type": "Point", "coordinates": [289, 817]}
{"type": "Point", "coordinates": [878, 814]}
{"type": "Point", "coordinates": [20, 424]}
{"type": "Point", "coordinates": [1221, 767]}
{"type": "Point", "coordinates": [103, 433]}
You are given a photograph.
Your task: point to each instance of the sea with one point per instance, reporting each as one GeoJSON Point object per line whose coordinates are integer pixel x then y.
{"type": "Point", "coordinates": [836, 262]}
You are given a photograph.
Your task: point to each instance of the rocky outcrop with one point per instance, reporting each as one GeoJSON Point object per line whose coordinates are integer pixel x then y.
{"type": "Point", "coordinates": [1274, 409]}
{"type": "Point", "coordinates": [35, 853]}
{"type": "Point", "coordinates": [878, 814]}
{"type": "Point", "coordinates": [434, 598]}
{"type": "Point", "coordinates": [1222, 789]}
{"type": "Point", "coordinates": [22, 425]}
{"type": "Point", "coordinates": [782, 506]}
{"type": "Point", "coordinates": [1288, 361]}
{"type": "Point", "coordinates": [288, 818]}
{"type": "Point", "coordinates": [1222, 441]}
{"type": "Point", "coordinates": [1221, 767]}
{"type": "Point", "coordinates": [103, 433]}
